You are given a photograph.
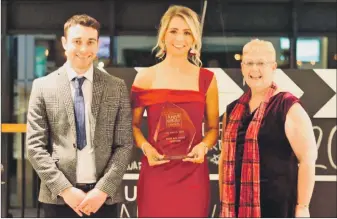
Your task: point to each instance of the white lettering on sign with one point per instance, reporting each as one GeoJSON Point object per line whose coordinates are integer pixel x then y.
{"type": "Point", "coordinates": [134, 195]}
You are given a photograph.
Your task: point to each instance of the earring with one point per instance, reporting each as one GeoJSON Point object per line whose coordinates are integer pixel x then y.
{"type": "Point", "coordinates": [192, 52]}
{"type": "Point", "coordinates": [243, 82]}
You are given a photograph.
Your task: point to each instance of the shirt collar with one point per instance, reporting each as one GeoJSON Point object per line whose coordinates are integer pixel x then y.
{"type": "Point", "coordinates": [72, 74]}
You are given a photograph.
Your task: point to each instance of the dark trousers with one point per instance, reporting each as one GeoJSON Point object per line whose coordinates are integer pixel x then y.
{"type": "Point", "coordinates": [64, 211]}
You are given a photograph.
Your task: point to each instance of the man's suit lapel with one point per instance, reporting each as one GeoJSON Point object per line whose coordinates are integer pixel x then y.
{"type": "Point", "coordinates": [65, 94]}
{"type": "Point", "coordinates": [97, 90]}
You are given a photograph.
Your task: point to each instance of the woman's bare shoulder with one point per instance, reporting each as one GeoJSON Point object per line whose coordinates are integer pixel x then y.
{"type": "Point", "coordinates": [145, 77]}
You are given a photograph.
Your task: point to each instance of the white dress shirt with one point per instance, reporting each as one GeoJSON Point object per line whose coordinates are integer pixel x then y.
{"type": "Point", "coordinates": [86, 169]}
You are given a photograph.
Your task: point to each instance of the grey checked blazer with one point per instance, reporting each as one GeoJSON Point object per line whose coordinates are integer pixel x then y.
{"type": "Point", "coordinates": [51, 134]}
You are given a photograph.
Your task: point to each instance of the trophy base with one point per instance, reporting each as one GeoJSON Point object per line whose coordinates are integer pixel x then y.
{"type": "Point", "coordinates": [174, 157]}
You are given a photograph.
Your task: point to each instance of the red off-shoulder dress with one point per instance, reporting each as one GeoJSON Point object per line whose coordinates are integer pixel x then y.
{"type": "Point", "coordinates": [177, 188]}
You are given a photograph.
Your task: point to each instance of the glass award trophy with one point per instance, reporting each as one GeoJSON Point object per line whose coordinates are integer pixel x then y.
{"type": "Point", "coordinates": [174, 133]}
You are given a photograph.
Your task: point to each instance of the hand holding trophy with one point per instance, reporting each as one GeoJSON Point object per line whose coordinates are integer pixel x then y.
{"type": "Point", "coordinates": [153, 157]}
{"type": "Point", "coordinates": [174, 133]}
{"type": "Point", "coordinates": [197, 155]}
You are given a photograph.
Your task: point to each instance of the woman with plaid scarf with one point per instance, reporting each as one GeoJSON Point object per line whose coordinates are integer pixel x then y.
{"type": "Point", "coordinates": [267, 163]}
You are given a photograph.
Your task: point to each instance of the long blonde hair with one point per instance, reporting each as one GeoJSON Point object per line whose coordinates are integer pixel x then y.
{"type": "Point", "coordinates": [193, 21]}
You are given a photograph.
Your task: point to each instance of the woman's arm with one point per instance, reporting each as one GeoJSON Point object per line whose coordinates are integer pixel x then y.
{"type": "Point", "coordinates": [212, 115]}
{"type": "Point", "coordinates": [197, 155]}
{"type": "Point", "coordinates": [137, 116]}
{"type": "Point", "coordinates": [301, 136]}
{"type": "Point", "coordinates": [143, 80]}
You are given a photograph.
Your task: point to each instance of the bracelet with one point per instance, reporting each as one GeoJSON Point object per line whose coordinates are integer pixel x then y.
{"type": "Point", "coordinates": [302, 205]}
{"type": "Point", "coordinates": [142, 147]}
{"type": "Point", "coordinates": [206, 147]}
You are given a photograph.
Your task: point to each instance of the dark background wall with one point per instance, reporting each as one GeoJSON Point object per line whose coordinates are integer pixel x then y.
{"type": "Point", "coordinates": [249, 17]}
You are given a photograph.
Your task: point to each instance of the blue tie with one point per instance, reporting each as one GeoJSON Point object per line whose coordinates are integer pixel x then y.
{"type": "Point", "coordinates": [80, 114]}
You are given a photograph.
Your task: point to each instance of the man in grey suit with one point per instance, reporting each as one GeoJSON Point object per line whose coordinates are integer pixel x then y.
{"type": "Point", "coordinates": [79, 135]}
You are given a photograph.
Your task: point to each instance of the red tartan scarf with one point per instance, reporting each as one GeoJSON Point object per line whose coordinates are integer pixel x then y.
{"type": "Point", "coordinates": [250, 174]}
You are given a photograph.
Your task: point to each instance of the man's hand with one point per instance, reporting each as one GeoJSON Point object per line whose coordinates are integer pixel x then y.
{"type": "Point", "coordinates": [73, 197]}
{"type": "Point", "coordinates": [92, 201]}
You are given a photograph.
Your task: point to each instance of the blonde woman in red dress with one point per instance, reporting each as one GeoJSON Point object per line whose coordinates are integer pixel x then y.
{"type": "Point", "coordinates": [175, 188]}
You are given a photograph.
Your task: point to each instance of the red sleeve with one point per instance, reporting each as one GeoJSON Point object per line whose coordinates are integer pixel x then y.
{"type": "Point", "coordinates": [205, 79]}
